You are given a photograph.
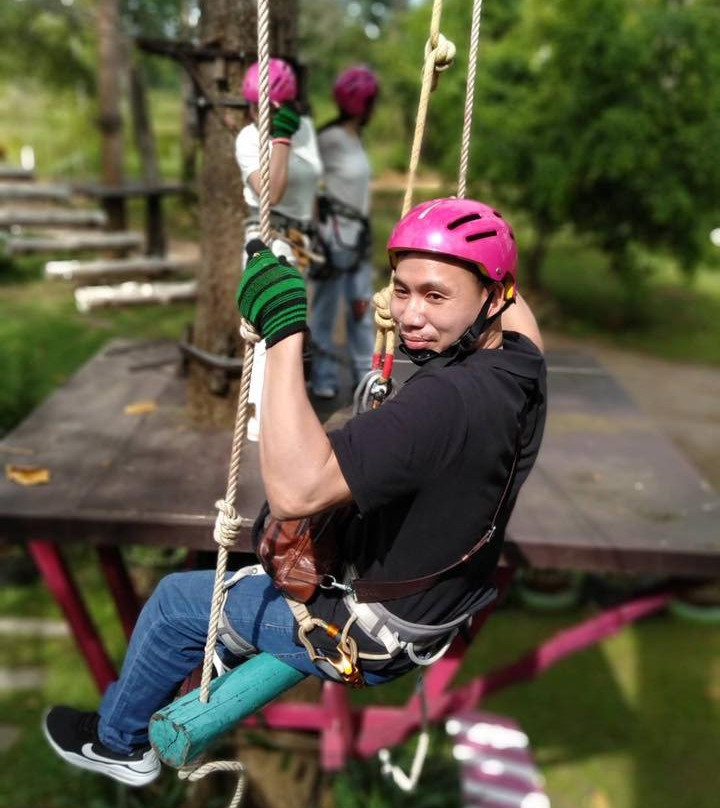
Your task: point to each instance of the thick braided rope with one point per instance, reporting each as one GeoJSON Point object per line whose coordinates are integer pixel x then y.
{"type": "Point", "coordinates": [386, 335]}
{"type": "Point", "coordinates": [191, 774]}
{"type": "Point", "coordinates": [228, 522]}
{"type": "Point", "coordinates": [439, 54]}
{"type": "Point", "coordinates": [263, 37]}
{"type": "Point", "coordinates": [469, 97]}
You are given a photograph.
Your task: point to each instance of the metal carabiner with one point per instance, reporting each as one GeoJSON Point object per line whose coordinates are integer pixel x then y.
{"type": "Point", "coordinates": [346, 668]}
{"type": "Point", "coordinates": [331, 582]}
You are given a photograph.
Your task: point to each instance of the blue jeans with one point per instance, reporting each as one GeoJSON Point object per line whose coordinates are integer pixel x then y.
{"type": "Point", "coordinates": [168, 643]}
{"type": "Point", "coordinates": [352, 287]}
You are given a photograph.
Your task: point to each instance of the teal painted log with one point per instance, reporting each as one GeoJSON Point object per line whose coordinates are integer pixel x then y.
{"type": "Point", "coordinates": [183, 729]}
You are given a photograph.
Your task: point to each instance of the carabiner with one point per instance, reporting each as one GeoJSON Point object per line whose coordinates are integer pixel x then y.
{"type": "Point", "coordinates": [346, 669]}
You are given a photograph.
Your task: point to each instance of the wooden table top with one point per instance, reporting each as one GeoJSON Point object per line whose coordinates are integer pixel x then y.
{"type": "Point", "coordinates": [609, 492]}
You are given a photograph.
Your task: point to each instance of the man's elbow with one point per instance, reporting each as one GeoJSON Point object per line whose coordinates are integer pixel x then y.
{"type": "Point", "coordinates": [287, 505]}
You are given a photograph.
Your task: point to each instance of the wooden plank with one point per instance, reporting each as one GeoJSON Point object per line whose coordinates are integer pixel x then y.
{"type": "Point", "coordinates": [55, 192]}
{"type": "Point", "coordinates": [8, 172]}
{"type": "Point", "coordinates": [97, 190]}
{"type": "Point", "coordinates": [135, 293]}
{"type": "Point", "coordinates": [73, 242]}
{"type": "Point", "coordinates": [609, 492]}
{"type": "Point", "coordinates": [51, 217]}
{"type": "Point", "coordinates": [117, 478]}
{"type": "Point", "coordinates": [120, 268]}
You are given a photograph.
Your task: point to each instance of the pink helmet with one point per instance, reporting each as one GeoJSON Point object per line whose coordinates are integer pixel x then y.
{"type": "Point", "coordinates": [355, 89]}
{"type": "Point", "coordinates": [283, 84]}
{"type": "Point", "coordinates": [461, 228]}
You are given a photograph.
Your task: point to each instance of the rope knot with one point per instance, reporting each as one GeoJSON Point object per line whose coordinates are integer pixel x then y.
{"type": "Point", "coordinates": [381, 301]}
{"type": "Point", "coordinates": [227, 524]}
{"type": "Point", "coordinates": [442, 54]}
{"type": "Point", "coordinates": [248, 332]}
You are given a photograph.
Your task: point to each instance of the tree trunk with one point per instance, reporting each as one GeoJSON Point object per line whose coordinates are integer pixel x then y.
{"type": "Point", "coordinates": [230, 24]}
{"type": "Point", "coordinates": [142, 125]}
{"type": "Point", "coordinates": [109, 117]}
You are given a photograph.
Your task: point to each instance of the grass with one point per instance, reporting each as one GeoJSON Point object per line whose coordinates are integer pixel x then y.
{"type": "Point", "coordinates": [43, 339]}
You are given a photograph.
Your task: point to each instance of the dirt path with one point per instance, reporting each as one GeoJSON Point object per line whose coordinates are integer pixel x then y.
{"type": "Point", "coordinates": [683, 399]}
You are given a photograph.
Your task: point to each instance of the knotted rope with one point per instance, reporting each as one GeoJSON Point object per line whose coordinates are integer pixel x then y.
{"type": "Point", "coordinates": [228, 522]}
{"type": "Point", "coordinates": [439, 55]}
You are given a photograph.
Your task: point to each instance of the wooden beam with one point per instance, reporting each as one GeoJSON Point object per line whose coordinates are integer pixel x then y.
{"type": "Point", "coordinates": [66, 242]}
{"type": "Point", "coordinates": [119, 268]}
{"type": "Point", "coordinates": [51, 217]}
{"type": "Point", "coordinates": [134, 293]}
{"type": "Point", "coordinates": [56, 192]}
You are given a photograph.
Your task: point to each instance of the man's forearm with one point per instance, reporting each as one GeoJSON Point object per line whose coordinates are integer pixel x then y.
{"type": "Point", "coordinates": [299, 469]}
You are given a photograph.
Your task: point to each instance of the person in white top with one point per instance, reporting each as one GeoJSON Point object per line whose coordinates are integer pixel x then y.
{"type": "Point", "coordinates": [295, 170]}
{"type": "Point", "coordinates": [344, 229]}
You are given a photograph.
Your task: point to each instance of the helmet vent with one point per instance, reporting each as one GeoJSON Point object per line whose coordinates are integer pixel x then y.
{"type": "Point", "coordinates": [478, 236]}
{"type": "Point", "coordinates": [471, 217]}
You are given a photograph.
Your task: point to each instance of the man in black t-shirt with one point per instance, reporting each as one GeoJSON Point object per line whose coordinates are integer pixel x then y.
{"type": "Point", "coordinates": [431, 477]}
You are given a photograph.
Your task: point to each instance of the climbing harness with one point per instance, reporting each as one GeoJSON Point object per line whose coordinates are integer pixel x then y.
{"type": "Point", "coordinates": [301, 237]}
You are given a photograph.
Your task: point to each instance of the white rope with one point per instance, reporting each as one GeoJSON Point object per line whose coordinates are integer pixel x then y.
{"type": "Point", "coordinates": [193, 773]}
{"type": "Point", "coordinates": [469, 97]}
{"type": "Point", "coordinates": [439, 54]}
{"type": "Point", "coordinates": [406, 782]}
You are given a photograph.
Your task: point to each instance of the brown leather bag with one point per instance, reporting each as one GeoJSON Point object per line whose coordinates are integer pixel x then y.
{"type": "Point", "coordinates": [299, 554]}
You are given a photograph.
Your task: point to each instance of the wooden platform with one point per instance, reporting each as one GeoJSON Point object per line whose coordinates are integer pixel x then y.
{"type": "Point", "coordinates": [609, 493]}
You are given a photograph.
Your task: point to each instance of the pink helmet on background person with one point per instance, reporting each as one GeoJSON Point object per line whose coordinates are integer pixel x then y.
{"type": "Point", "coordinates": [282, 81]}
{"type": "Point", "coordinates": [464, 229]}
{"type": "Point", "coordinates": [355, 89]}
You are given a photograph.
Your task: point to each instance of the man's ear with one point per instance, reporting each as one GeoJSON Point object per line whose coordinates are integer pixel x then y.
{"type": "Point", "coordinates": [496, 291]}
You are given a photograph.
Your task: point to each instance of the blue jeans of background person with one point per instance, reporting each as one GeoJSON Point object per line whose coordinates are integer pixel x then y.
{"type": "Point", "coordinates": [349, 287]}
{"type": "Point", "coordinates": [168, 643]}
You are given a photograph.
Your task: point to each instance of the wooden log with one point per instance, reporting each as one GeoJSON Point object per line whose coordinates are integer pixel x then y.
{"type": "Point", "coordinates": [116, 269]}
{"type": "Point", "coordinates": [55, 192]}
{"type": "Point", "coordinates": [134, 293]}
{"type": "Point", "coordinates": [67, 242]}
{"type": "Point", "coordinates": [54, 217]}
{"type": "Point", "coordinates": [8, 172]}
{"type": "Point", "coordinates": [183, 730]}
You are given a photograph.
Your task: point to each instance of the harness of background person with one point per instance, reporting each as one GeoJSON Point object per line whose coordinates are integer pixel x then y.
{"type": "Point", "coordinates": [331, 210]}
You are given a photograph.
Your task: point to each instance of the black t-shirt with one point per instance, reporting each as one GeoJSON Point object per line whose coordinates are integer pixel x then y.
{"type": "Point", "coordinates": [427, 471]}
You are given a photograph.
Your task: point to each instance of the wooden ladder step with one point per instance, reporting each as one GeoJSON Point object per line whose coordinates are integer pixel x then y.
{"type": "Point", "coordinates": [73, 242]}
{"type": "Point", "coordinates": [51, 217]}
{"type": "Point", "coordinates": [116, 269]}
{"type": "Point", "coordinates": [134, 293]}
{"type": "Point", "coordinates": [47, 191]}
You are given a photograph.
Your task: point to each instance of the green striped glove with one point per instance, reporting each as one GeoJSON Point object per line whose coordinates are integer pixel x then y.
{"type": "Point", "coordinates": [271, 295]}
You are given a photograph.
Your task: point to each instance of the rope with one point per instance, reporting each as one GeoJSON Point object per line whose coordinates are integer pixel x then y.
{"type": "Point", "coordinates": [439, 55]}
{"type": "Point", "coordinates": [469, 97]}
{"type": "Point", "coordinates": [192, 774]}
{"type": "Point", "coordinates": [263, 36]}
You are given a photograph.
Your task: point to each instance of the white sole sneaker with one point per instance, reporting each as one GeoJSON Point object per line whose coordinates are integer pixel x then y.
{"type": "Point", "coordinates": [135, 770]}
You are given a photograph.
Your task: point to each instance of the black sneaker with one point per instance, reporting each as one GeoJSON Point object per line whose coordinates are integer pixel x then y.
{"type": "Point", "coordinates": [73, 735]}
